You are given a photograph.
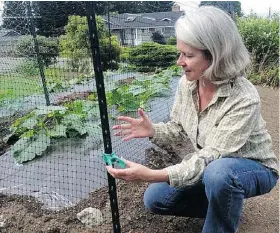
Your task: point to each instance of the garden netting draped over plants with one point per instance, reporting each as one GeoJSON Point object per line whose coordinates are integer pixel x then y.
{"type": "Point", "coordinates": [51, 141]}
{"type": "Point", "coordinates": [68, 69]}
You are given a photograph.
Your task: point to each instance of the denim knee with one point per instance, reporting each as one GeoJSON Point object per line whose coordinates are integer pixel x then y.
{"type": "Point", "coordinates": [150, 197]}
{"type": "Point", "coordinates": [155, 197]}
{"type": "Point", "coordinates": [217, 177]}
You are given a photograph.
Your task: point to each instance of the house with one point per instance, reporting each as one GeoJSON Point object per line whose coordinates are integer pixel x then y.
{"type": "Point", "coordinates": [133, 29]}
{"type": "Point", "coordinates": [8, 40]}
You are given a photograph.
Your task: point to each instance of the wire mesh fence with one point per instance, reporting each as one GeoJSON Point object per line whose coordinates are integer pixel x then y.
{"type": "Point", "coordinates": [52, 133]}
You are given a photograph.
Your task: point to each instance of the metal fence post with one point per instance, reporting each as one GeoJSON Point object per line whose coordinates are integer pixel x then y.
{"type": "Point", "coordinates": [39, 59]}
{"type": "Point", "coordinates": [99, 78]}
{"type": "Point", "coordinates": [109, 28]}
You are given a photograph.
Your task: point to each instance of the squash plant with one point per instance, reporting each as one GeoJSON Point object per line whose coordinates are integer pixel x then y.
{"type": "Point", "coordinates": [129, 97]}
{"type": "Point", "coordinates": [36, 130]}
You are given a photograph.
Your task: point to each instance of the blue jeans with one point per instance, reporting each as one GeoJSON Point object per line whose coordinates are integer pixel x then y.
{"type": "Point", "coordinates": [218, 196]}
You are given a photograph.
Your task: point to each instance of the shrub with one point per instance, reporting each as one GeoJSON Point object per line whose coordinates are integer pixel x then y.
{"type": "Point", "coordinates": [75, 44]}
{"type": "Point", "coordinates": [171, 41]}
{"type": "Point", "coordinates": [269, 76]}
{"type": "Point", "coordinates": [149, 56]}
{"type": "Point", "coordinates": [158, 38]}
{"type": "Point", "coordinates": [261, 38]}
{"type": "Point", "coordinates": [110, 53]}
{"type": "Point", "coordinates": [125, 53]}
{"type": "Point", "coordinates": [48, 49]}
{"type": "Point", "coordinates": [28, 69]}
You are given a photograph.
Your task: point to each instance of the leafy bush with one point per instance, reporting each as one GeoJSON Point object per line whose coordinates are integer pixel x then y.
{"type": "Point", "coordinates": [124, 67]}
{"type": "Point", "coordinates": [38, 129]}
{"type": "Point", "coordinates": [261, 38]}
{"type": "Point", "coordinates": [110, 53]}
{"type": "Point", "coordinates": [158, 38]}
{"type": "Point", "coordinates": [28, 69]}
{"type": "Point", "coordinates": [48, 49]}
{"type": "Point", "coordinates": [150, 55]}
{"type": "Point", "coordinates": [268, 76]}
{"type": "Point", "coordinates": [125, 53]}
{"type": "Point", "coordinates": [171, 41]}
{"type": "Point", "coordinates": [75, 44]}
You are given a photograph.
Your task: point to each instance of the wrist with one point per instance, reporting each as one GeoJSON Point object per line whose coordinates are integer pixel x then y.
{"type": "Point", "coordinates": [152, 133]}
{"type": "Point", "coordinates": [158, 176]}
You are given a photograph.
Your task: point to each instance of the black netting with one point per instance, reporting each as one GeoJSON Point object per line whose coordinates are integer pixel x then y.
{"type": "Point", "coordinates": [51, 133]}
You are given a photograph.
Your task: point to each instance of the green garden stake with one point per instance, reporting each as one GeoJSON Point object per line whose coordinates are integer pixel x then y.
{"type": "Point", "coordinates": [112, 159]}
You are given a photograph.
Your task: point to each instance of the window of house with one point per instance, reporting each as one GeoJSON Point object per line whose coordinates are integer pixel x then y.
{"type": "Point", "coordinates": [166, 19]}
{"type": "Point", "coordinates": [169, 29]}
{"type": "Point", "coordinates": [130, 19]}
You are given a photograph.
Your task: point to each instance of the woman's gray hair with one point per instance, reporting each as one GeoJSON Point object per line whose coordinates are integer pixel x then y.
{"type": "Point", "coordinates": [213, 31]}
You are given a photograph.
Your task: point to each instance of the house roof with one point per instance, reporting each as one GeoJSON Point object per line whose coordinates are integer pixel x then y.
{"type": "Point", "coordinates": [143, 20]}
{"type": "Point", "coordinates": [8, 32]}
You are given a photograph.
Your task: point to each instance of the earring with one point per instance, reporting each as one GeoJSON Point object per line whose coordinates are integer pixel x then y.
{"type": "Point", "coordinates": [203, 83]}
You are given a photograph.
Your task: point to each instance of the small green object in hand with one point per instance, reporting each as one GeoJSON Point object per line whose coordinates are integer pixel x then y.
{"type": "Point", "coordinates": [112, 159]}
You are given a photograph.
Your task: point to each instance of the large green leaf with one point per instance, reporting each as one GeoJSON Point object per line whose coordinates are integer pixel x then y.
{"type": "Point", "coordinates": [74, 122]}
{"type": "Point", "coordinates": [93, 129]}
{"type": "Point", "coordinates": [94, 137]}
{"type": "Point", "coordinates": [136, 89]}
{"type": "Point", "coordinates": [28, 134]}
{"type": "Point", "coordinates": [69, 119]}
{"type": "Point", "coordinates": [44, 110]}
{"type": "Point", "coordinates": [144, 78]}
{"type": "Point", "coordinates": [58, 131]}
{"type": "Point", "coordinates": [20, 145]}
{"type": "Point", "coordinates": [79, 127]}
{"type": "Point", "coordinates": [91, 109]}
{"type": "Point", "coordinates": [76, 106]}
{"type": "Point", "coordinates": [27, 149]}
{"type": "Point", "coordinates": [30, 123]}
{"type": "Point", "coordinates": [159, 89]}
{"type": "Point", "coordinates": [88, 105]}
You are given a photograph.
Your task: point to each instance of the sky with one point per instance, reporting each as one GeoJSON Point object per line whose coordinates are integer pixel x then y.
{"type": "Point", "coordinates": [260, 7]}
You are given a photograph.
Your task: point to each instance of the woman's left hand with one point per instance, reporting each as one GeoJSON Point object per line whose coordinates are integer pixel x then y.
{"type": "Point", "coordinates": [138, 172]}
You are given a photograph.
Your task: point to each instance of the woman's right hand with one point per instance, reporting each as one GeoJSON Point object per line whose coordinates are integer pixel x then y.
{"type": "Point", "coordinates": [135, 128]}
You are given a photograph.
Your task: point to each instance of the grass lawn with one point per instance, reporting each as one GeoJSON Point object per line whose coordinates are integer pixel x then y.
{"type": "Point", "coordinates": [26, 81]}
{"type": "Point", "coordinates": [55, 73]}
{"type": "Point", "coordinates": [16, 86]}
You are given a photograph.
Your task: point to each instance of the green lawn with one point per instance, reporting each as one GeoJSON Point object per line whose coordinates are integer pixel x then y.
{"type": "Point", "coordinates": [15, 86]}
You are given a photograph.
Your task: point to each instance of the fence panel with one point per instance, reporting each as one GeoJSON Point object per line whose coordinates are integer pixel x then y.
{"type": "Point", "coordinates": [52, 133]}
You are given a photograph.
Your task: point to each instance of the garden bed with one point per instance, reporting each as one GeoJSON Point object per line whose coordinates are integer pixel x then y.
{"type": "Point", "coordinates": [25, 214]}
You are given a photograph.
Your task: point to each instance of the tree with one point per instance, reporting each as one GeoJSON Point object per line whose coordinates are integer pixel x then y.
{"type": "Point", "coordinates": [75, 44]}
{"type": "Point", "coordinates": [232, 7]}
{"type": "Point", "coordinates": [48, 49]}
{"type": "Point", "coordinates": [53, 15]}
{"type": "Point", "coordinates": [140, 6]}
{"type": "Point", "coordinates": [15, 17]}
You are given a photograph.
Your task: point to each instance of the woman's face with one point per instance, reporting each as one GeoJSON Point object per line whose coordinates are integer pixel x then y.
{"type": "Point", "coordinates": [192, 60]}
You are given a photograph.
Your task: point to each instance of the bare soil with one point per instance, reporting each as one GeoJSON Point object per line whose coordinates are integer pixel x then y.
{"type": "Point", "coordinates": [261, 214]}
